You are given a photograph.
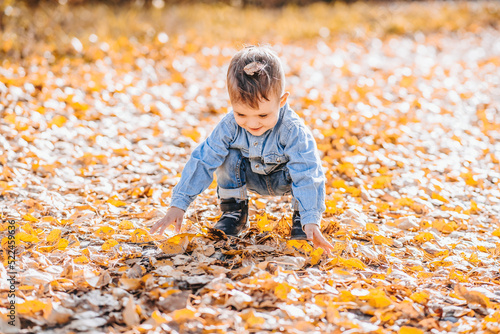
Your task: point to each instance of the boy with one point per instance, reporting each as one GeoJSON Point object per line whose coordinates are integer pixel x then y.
{"type": "Point", "coordinates": [263, 146]}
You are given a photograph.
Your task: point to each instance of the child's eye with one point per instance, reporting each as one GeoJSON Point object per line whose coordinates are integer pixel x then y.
{"type": "Point", "coordinates": [240, 115]}
{"type": "Point", "coordinates": [262, 116]}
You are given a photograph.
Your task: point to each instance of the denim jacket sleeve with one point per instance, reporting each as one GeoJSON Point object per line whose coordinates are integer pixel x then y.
{"type": "Point", "coordinates": [199, 170]}
{"type": "Point", "coordinates": [308, 179]}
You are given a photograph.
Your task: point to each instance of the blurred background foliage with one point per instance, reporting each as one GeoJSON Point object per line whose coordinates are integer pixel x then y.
{"type": "Point", "coordinates": [147, 3]}
{"type": "Point", "coordinates": [48, 28]}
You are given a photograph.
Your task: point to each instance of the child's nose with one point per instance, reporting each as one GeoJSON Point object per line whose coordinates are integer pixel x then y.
{"type": "Point", "coordinates": [253, 124]}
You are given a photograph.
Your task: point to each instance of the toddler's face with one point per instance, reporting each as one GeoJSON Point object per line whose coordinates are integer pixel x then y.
{"type": "Point", "coordinates": [258, 121]}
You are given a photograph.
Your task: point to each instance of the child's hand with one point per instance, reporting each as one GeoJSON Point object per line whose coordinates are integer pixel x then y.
{"type": "Point", "coordinates": [174, 216]}
{"type": "Point", "coordinates": [314, 234]}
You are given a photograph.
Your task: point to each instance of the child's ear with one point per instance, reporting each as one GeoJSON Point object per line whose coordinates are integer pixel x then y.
{"type": "Point", "coordinates": [283, 99]}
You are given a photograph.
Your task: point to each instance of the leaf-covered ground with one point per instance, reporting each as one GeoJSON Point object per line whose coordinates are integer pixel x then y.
{"type": "Point", "coordinates": [95, 130]}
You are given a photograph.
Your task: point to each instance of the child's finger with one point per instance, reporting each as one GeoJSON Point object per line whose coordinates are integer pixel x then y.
{"type": "Point", "coordinates": [155, 227]}
{"type": "Point", "coordinates": [329, 248]}
{"type": "Point", "coordinates": [165, 225]}
{"type": "Point", "coordinates": [178, 224]}
{"type": "Point", "coordinates": [323, 243]}
{"type": "Point", "coordinates": [327, 251]}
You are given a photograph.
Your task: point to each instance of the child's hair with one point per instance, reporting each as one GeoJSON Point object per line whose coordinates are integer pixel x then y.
{"type": "Point", "coordinates": [255, 73]}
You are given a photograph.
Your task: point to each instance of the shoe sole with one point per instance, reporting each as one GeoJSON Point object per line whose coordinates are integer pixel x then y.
{"type": "Point", "coordinates": [298, 237]}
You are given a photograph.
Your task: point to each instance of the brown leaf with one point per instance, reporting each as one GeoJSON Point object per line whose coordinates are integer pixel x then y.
{"type": "Point", "coordinates": [130, 316]}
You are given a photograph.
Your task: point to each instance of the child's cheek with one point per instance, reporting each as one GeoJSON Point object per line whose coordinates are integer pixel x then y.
{"type": "Point", "coordinates": [273, 122]}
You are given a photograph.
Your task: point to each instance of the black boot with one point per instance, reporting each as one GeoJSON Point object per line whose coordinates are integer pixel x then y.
{"type": "Point", "coordinates": [234, 216]}
{"type": "Point", "coordinates": [297, 231]}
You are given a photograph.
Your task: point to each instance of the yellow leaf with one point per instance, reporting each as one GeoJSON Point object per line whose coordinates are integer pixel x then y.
{"type": "Point", "coordinates": [110, 243]}
{"type": "Point", "coordinates": [263, 223]}
{"type": "Point", "coordinates": [126, 225]}
{"type": "Point", "coordinates": [253, 320]}
{"type": "Point", "coordinates": [470, 179]}
{"type": "Point", "coordinates": [474, 209]}
{"type": "Point", "coordinates": [62, 244]}
{"type": "Point", "coordinates": [439, 197]}
{"type": "Point", "coordinates": [191, 133]}
{"type": "Point", "coordinates": [260, 204]}
{"type": "Point", "coordinates": [57, 121]}
{"type": "Point", "coordinates": [28, 229]}
{"type": "Point", "coordinates": [377, 298]}
{"type": "Point", "coordinates": [347, 169]}
{"type": "Point", "coordinates": [352, 141]}
{"type": "Point", "coordinates": [10, 118]}
{"type": "Point", "coordinates": [54, 235]}
{"type": "Point", "coordinates": [316, 255]}
{"type": "Point", "coordinates": [156, 316]}
{"type": "Point", "coordinates": [66, 222]}
{"type": "Point", "coordinates": [27, 237]}
{"type": "Point", "coordinates": [116, 202]}
{"type": "Point", "coordinates": [4, 186]}
{"type": "Point", "coordinates": [444, 226]}
{"type": "Point", "coordinates": [474, 259]}
{"type": "Point", "coordinates": [182, 315]}
{"type": "Point", "coordinates": [182, 239]}
{"type": "Point", "coordinates": [404, 201]}
{"type": "Point", "coordinates": [352, 263]}
{"type": "Point", "coordinates": [381, 182]}
{"type": "Point", "coordinates": [49, 219]}
{"type": "Point", "coordinates": [456, 275]}
{"type": "Point", "coordinates": [300, 245]}
{"type": "Point", "coordinates": [40, 110]}
{"type": "Point", "coordinates": [495, 317]}
{"type": "Point", "coordinates": [82, 259]}
{"type": "Point", "coordinates": [281, 290]}
{"type": "Point", "coordinates": [381, 240]}
{"type": "Point", "coordinates": [5, 242]}
{"type": "Point", "coordinates": [346, 296]}
{"type": "Point", "coordinates": [140, 235]}
{"type": "Point", "coordinates": [30, 218]}
{"type": "Point", "coordinates": [423, 237]}
{"type": "Point", "coordinates": [104, 231]}
{"type": "Point", "coordinates": [496, 233]}
{"type": "Point", "coordinates": [420, 297]}
{"type": "Point", "coordinates": [339, 183]}
{"type": "Point", "coordinates": [372, 227]}
{"type": "Point", "coordinates": [45, 249]}
{"type": "Point", "coordinates": [22, 126]}
{"type": "Point", "coordinates": [334, 206]}
{"type": "Point", "coordinates": [382, 207]}
{"type": "Point", "coordinates": [410, 330]}
{"type": "Point", "coordinates": [31, 306]}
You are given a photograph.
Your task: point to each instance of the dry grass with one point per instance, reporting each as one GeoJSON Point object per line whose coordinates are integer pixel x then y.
{"type": "Point", "coordinates": [32, 32]}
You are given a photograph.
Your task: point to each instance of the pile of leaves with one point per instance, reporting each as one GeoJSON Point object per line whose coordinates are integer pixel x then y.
{"type": "Point", "coordinates": [408, 127]}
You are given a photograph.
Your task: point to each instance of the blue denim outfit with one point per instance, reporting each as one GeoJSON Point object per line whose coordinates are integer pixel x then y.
{"type": "Point", "coordinates": [284, 160]}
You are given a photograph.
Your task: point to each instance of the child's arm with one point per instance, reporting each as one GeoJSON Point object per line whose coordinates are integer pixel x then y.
{"type": "Point", "coordinates": [308, 179]}
{"type": "Point", "coordinates": [308, 182]}
{"type": "Point", "coordinates": [197, 174]}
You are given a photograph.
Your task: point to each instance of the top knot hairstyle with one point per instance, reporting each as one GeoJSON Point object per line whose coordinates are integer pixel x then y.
{"type": "Point", "coordinates": [255, 74]}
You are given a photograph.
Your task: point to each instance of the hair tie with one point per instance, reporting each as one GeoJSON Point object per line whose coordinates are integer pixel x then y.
{"type": "Point", "coordinates": [253, 67]}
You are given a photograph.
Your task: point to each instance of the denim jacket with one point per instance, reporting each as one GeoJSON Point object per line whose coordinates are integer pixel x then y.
{"type": "Point", "coordinates": [290, 142]}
